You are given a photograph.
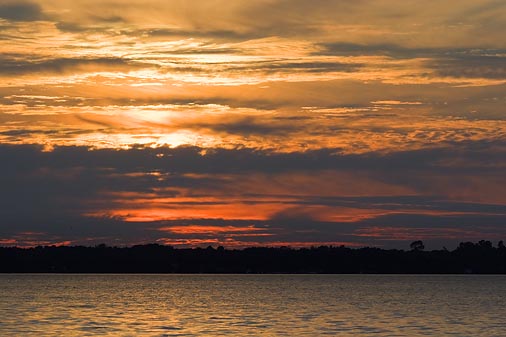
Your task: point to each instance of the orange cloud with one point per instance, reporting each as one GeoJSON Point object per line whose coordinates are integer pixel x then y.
{"type": "Point", "coordinates": [8, 242]}
{"type": "Point", "coordinates": [406, 233]}
{"type": "Point", "coordinates": [232, 243]}
{"type": "Point", "coordinates": [221, 211]}
{"type": "Point", "coordinates": [200, 229]}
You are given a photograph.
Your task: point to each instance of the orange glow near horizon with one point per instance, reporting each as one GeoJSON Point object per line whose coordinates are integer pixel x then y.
{"type": "Point", "coordinates": [231, 244]}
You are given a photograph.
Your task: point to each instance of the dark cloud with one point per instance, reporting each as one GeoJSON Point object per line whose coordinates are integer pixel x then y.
{"type": "Point", "coordinates": [400, 202]}
{"type": "Point", "coordinates": [452, 62]}
{"type": "Point", "coordinates": [13, 66]}
{"type": "Point", "coordinates": [72, 27]}
{"type": "Point", "coordinates": [463, 222]}
{"type": "Point", "coordinates": [67, 177]}
{"type": "Point", "coordinates": [265, 67]}
{"type": "Point", "coordinates": [198, 33]}
{"type": "Point", "coordinates": [244, 126]}
{"type": "Point", "coordinates": [257, 20]}
{"type": "Point", "coordinates": [353, 49]}
{"type": "Point", "coordinates": [472, 66]}
{"type": "Point", "coordinates": [491, 9]}
{"type": "Point", "coordinates": [17, 133]}
{"type": "Point", "coordinates": [108, 19]}
{"type": "Point", "coordinates": [399, 51]}
{"type": "Point", "coordinates": [310, 67]}
{"type": "Point", "coordinates": [102, 24]}
{"type": "Point", "coordinates": [479, 157]}
{"type": "Point", "coordinates": [98, 23]}
{"type": "Point", "coordinates": [21, 11]}
{"type": "Point", "coordinates": [51, 192]}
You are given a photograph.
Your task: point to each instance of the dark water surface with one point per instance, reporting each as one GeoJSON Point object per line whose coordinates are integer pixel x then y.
{"type": "Point", "coordinates": [252, 305]}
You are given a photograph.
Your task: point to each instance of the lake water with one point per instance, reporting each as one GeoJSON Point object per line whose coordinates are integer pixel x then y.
{"type": "Point", "coordinates": [252, 305]}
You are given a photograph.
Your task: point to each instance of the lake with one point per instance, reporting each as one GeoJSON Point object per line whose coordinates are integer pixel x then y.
{"type": "Point", "coordinates": [252, 305]}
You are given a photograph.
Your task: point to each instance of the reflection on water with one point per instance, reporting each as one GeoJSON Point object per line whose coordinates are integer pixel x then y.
{"type": "Point", "coordinates": [251, 305]}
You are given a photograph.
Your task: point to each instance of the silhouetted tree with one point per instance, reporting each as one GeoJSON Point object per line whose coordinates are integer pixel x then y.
{"type": "Point", "coordinates": [485, 244]}
{"type": "Point", "coordinates": [479, 258]}
{"type": "Point", "coordinates": [417, 245]}
{"type": "Point", "coordinates": [466, 246]}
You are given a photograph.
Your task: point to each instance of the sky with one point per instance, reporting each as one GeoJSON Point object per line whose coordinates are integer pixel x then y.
{"type": "Point", "coordinates": [252, 123]}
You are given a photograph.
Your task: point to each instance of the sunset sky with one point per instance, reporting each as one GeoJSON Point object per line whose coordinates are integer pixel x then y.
{"type": "Point", "coordinates": [245, 123]}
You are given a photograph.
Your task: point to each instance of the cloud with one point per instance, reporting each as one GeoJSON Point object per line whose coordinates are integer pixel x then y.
{"type": "Point", "coordinates": [479, 66]}
{"type": "Point", "coordinates": [11, 66]}
{"type": "Point", "coordinates": [213, 34]}
{"type": "Point", "coordinates": [295, 117]}
{"type": "Point", "coordinates": [451, 62]}
{"type": "Point", "coordinates": [244, 126]}
{"type": "Point", "coordinates": [386, 49]}
{"type": "Point", "coordinates": [477, 156]}
{"type": "Point", "coordinates": [21, 11]}
{"type": "Point", "coordinates": [309, 66]}
{"type": "Point", "coordinates": [88, 196]}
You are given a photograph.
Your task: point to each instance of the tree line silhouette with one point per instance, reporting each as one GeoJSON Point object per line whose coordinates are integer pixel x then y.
{"type": "Point", "coordinates": [468, 257]}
